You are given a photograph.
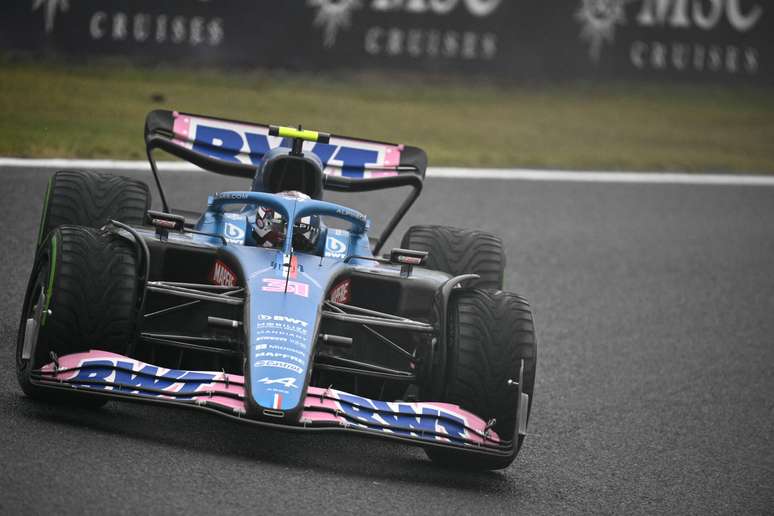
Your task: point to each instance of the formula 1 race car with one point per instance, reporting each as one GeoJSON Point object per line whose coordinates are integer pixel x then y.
{"type": "Point", "coordinates": [274, 307]}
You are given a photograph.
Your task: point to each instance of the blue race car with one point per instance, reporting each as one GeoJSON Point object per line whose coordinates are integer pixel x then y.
{"type": "Point", "coordinates": [274, 307]}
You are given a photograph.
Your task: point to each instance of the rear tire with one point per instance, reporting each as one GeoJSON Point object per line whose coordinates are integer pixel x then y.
{"type": "Point", "coordinates": [90, 199]}
{"type": "Point", "coordinates": [89, 280]}
{"type": "Point", "coordinates": [489, 333]}
{"type": "Point", "coordinates": [460, 251]}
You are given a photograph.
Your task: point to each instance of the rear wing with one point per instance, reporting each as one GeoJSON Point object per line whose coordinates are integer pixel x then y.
{"type": "Point", "coordinates": [236, 148]}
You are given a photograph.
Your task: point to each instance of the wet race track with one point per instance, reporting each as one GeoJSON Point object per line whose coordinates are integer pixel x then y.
{"type": "Point", "coordinates": [655, 392]}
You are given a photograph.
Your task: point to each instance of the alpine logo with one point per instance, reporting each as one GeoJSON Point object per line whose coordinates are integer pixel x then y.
{"type": "Point", "coordinates": [222, 275]}
{"type": "Point", "coordinates": [288, 382]}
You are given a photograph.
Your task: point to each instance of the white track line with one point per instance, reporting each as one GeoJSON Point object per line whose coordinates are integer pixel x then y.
{"type": "Point", "coordinates": [444, 172]}
{"type": "Point", "coordinates": [601, 177]}
{"type": "Point", "coordinates": [96, 164]}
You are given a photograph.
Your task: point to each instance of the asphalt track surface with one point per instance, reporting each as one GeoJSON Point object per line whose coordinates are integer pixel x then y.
{"type": "Point", "coordinates": [654, 394]}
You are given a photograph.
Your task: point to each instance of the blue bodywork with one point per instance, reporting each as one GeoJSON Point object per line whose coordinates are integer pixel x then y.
{"type": "Point", "coordinates": [285, 290]}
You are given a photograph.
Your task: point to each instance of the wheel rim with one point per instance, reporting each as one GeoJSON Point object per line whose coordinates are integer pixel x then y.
{"type": "Point", "coordinates": [33, 307]}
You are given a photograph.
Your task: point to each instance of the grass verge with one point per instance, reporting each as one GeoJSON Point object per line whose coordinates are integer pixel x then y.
{"type": "Point", "coordinates": [97, 111]}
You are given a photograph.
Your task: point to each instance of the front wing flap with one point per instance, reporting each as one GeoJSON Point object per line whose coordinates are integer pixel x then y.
{"type": "Point", "coordinates": [420, 423]}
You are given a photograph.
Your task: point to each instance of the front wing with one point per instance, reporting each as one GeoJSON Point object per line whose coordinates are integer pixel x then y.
{"type": "Point", "coordinates": [421, 423]}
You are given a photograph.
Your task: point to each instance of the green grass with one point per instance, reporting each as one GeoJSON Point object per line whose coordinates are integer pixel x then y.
{"type": "Point", "coordinates": [97, 111]}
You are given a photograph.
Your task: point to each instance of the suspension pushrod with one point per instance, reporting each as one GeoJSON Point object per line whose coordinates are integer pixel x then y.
{"type": "Point", "coordinates": [190, 346]}
{"type": "Point", "coordinates": [193, 294]}
{"type": "Point", "coordinates": [406, 324]}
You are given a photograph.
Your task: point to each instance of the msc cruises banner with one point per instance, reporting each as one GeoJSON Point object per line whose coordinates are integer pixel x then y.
{"type": "Point", "coordinates": [697, 40]}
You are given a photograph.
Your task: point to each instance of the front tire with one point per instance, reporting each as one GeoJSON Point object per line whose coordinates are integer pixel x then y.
{"type": "Point", "coordinates": [91, 199]}
{"type": "Point", "coordinates": [489, 333]}
{"type": "Point", "coordinates": [87, 279]}
{"type": "Point", "coordinates": [460, 251]}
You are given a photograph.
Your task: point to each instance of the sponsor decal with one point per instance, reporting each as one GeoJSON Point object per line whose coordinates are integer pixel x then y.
{"type": "Point", "coordinates": [288, 382]}
{"type": "Point", "coordinates": [599, 19]}
{"type": "Point", "coordinates": [333, 16]}
{"type": "Point", "coordinates": [673, 24]}
{"type": "Point", "coordinates": [50, 8]}
{"type": "Point", "coordinates": [282, 319]}
{"type": "Point", "coordinates": [417, 418]}
{"type": "Point", "coordinates": [287, 340]}
{"type": "Point", "coordinates": [281, 338]}
{"type": "Point", "coordinates": [279, 365]}
{"type": "Point", "coordinates": [140, 27]}
{"type": "Point", "coordinates": [279, 285]}
{"type": "Point", "coordinates": [279, 356]}
{"type": "Point", "coordinates": [280, 348]}
{"type": "Point", "coordinates": [146, 377]}
{"type": "Point", "coordinates": [231, 195]}
{"type": "Point", "coordinates": [351, 214]}
{"type": "Point", "coordinates": [341, 293]}
{"type": "Point", "coordinates": [335, 247]}
{"type": "Point", "coordinates": [222, 275]}
{"type": "Point", "coordinates": [242, 143]}
{"type": "Point", "coordinates": [233, 233]}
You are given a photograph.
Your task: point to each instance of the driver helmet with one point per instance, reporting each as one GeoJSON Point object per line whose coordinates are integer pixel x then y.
{"type": "Point", "coordinates": [270, 228]}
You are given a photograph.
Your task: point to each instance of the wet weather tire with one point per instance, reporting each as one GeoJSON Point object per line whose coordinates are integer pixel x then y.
{"type": "Point", "coordinates": [90, 199]}
{"type": "Point", "coordinates": [460, 251]}
{"type": "Point", "coordinates": [87, 279]}
{"type": "Point", "coordinates": [489, 333]}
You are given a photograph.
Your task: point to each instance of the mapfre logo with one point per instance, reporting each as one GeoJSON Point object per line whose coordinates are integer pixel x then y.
{"type": "Point", "coordinates": [599, 20]}
{"type": "Point", "coordinates": [288, 382]}
{"type": "Point", "coordinates": [335, 15]}
{"type": "Point", "coordinates": [222, 275]}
